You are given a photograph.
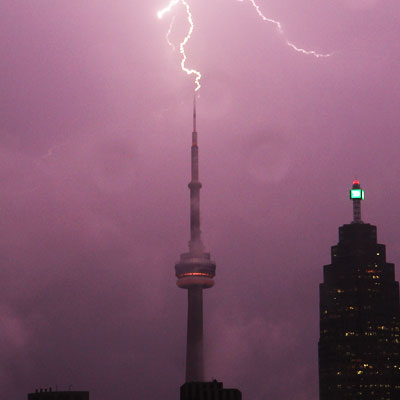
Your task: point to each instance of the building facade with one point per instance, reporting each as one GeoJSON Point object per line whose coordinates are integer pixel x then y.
{"type": "Point", "coordinates": [359, 346]}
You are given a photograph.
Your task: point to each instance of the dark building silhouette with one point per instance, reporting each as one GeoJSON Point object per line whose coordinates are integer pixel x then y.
{"type": "Point", "coordinates": [48, 394]}
{"type": "Point", "coordinates": [359, 346]}
{"type": "Point", "coordinates": [208, 391]}
{"type": "Point", "coordinates": [195, 271]}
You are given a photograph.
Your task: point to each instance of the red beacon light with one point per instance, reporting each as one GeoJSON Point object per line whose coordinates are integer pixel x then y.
{"type": "Point", "coordinates": [356, 193]}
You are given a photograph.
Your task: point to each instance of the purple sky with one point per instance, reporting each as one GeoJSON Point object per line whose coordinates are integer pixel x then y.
{"type": "Point", "coordinates": [94, 162]}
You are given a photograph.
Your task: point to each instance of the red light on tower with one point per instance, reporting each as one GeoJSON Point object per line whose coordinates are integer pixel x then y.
{"type": "Point", "coordinates": [356, 182]}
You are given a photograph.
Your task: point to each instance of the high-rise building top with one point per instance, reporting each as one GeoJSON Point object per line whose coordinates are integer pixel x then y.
{"type": "Point", "coordinates": [359, 346]}
{"type": "Point", "coordinates": [195, 271]}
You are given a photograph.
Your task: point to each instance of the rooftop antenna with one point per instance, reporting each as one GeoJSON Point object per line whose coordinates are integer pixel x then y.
{"type": "Point", "coordinates": [356, 195]}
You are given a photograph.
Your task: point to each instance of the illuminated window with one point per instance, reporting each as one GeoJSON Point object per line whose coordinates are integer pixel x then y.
{"type": "Point", "coordinates": [357, 194]}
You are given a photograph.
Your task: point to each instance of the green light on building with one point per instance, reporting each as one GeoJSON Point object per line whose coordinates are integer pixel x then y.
{"type": "Point", "coordinates": [357, 194]}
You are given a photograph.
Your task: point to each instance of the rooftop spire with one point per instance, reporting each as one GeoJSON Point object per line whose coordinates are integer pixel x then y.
{"type": "Point", "coordinates": [356, 195]}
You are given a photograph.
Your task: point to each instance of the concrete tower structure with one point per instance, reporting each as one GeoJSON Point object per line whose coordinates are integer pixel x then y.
{"type": "Point", "coordinates": [195, 271]}
{"type": "Point", "coordinates": [359, 346]}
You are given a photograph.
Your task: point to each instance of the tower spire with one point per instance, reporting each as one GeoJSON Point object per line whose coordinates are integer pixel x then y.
{"type": "Point", "coordinates": [194, 114]}
{"type": "Point", "coordinates": [195, 243]}
{"type": "Point", "coordinates": [356, 195]}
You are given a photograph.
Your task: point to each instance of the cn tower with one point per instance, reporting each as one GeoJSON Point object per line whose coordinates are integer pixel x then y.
{"type": "Point", "coordinates": [195, 271]}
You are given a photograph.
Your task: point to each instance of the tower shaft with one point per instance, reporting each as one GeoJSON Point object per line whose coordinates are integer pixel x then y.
{"type": "Point", "coordinates": [195, 186]}
{"type": "Point", "coordinates": [357, 211]}
{"type": "Point", "coordinates": [194, 350]}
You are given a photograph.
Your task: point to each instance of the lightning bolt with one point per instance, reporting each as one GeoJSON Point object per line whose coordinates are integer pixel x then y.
{"type": "Point", "coordinates": [160, 14]}
{"type": "Point", "coordinates": [191, 71]}
{"type": "Point", "coordinates": [281, 31]}
{"type": "Point", "coordinates": [167, 36]}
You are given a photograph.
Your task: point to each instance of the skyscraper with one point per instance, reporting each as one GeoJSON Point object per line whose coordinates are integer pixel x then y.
{"type": "Point", "coordinates": [359, 346]}
{"type": "Point", "coordinates": [195, 271]}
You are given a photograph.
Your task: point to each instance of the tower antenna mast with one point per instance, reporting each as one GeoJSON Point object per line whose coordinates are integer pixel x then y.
{"type": "Point", "coordinates": [356, 195]}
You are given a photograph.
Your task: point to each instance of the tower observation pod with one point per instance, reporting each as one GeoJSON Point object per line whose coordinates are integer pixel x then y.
{"type": "Point", "coordinates": [195, 271]}
{"type": "Point", "coordinates": [356, 195]}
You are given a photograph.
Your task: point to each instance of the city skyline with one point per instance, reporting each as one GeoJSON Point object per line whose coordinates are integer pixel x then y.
{"type": "Point", "coordinates": [94, 136]}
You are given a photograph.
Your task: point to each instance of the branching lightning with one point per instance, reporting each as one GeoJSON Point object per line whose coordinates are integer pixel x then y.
{"type": "Point", "coordinates": [160, 14]}
{"type": "Point", "coordinates": [281, 31]}
{"type": "Point", "coordinates": [191, 71]}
